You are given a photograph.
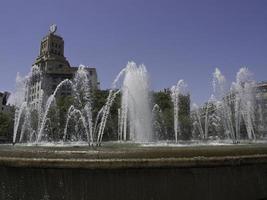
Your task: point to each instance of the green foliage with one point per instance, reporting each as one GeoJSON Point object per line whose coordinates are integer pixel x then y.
{"type": "Point", "coordinates": [184, 116]}
{"type": "Point", "coordinates": [163, 99]}
{"type": "Point", "coordinates": [99, 99]}
{"type": "Point", "coordinates": [63, 105]}
{"type": "Point", "coordinates": [6, 124]}
{"type": "Point", "coordinates": [64, 102]}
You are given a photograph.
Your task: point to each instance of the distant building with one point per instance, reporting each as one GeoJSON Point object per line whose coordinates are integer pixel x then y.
{"type": "Point", "coordinates": [262, 91]}
{"type": "Point", "coordinates": [54, 68]}
{"type": "Point", "coordinates": [261, 97]}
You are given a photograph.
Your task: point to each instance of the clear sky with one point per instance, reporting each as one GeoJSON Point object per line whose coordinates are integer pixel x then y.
{"type": "Point", "coordinates": [175, 39]}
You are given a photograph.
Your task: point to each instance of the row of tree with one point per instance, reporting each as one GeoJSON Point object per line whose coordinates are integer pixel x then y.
{"type": "Point", "coordinates": [6, 125]}
{"type": "Point", "coordinates": [163, 117]}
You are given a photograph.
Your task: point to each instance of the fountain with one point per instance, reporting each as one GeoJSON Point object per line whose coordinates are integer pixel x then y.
{"type": "Point", "coordinates": [231, 110]}
{"type": "Point", "coordinates": [176, 91]}
{"type": "Point", "coordinates": [81, 105]}
{"type": "Point", "coordinates": [224, 148]}
{"type": "Point", "coordinates": [135, 100]}
{"type": "Point", "coordinates": [245, 102]}
{"type": "Point", "coordinates": [223, 117]}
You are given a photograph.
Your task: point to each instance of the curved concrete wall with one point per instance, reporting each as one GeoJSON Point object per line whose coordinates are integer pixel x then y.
{"type": "Point", "coordinates": [193, 173]}
{"type": "Point", "coordinates": [240, 182]}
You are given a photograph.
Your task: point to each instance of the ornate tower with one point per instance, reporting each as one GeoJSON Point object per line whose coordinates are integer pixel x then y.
{"type": "Point", "coordinates": [54, 68]}
{"type": "Point", "coordinates": [51, 54]}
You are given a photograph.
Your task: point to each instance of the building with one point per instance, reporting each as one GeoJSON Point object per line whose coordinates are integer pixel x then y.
{"type": "Point", "coordinates": [259, 117]}
{"type": "Point", "coordinates": [261, 98]}
{"type": "Point", "coordinates": [54, 68]}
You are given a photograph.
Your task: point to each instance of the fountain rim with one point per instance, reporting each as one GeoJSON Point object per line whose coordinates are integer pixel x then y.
{"type": "Point", "coordinates": [133, 158]}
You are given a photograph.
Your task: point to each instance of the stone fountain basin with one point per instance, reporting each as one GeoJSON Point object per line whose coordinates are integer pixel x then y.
{"type": "Point", "coordinates": [132, 171]}
{"type": "Point", "coordinates": [115, 155]}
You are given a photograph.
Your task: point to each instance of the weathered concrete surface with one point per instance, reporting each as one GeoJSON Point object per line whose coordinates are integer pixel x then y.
{"type": "Point", "coordinates": [134, 172]}
{"type": "Point", "coordinates": [131, 156]}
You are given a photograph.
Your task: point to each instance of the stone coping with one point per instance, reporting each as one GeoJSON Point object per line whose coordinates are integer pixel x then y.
{"type": "Point", "coordinates": [132, 156]}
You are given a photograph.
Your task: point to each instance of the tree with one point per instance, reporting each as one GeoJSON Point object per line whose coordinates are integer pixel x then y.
{"type": "Point", "coordinates": [163, 99]}
{"type": "Point", "coordinates": [6, 124]}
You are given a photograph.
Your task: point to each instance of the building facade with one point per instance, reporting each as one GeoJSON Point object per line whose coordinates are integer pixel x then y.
{"type": "Point", "coordinates": [259, 117]}
{"type": "Point", "coordinates": [261, 98]}
{"type": "Point", "coordinates": [51, 67]}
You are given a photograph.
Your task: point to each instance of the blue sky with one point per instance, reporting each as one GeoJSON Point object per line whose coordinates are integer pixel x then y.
{"type": "Point", "coordinates": [175, 39]}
